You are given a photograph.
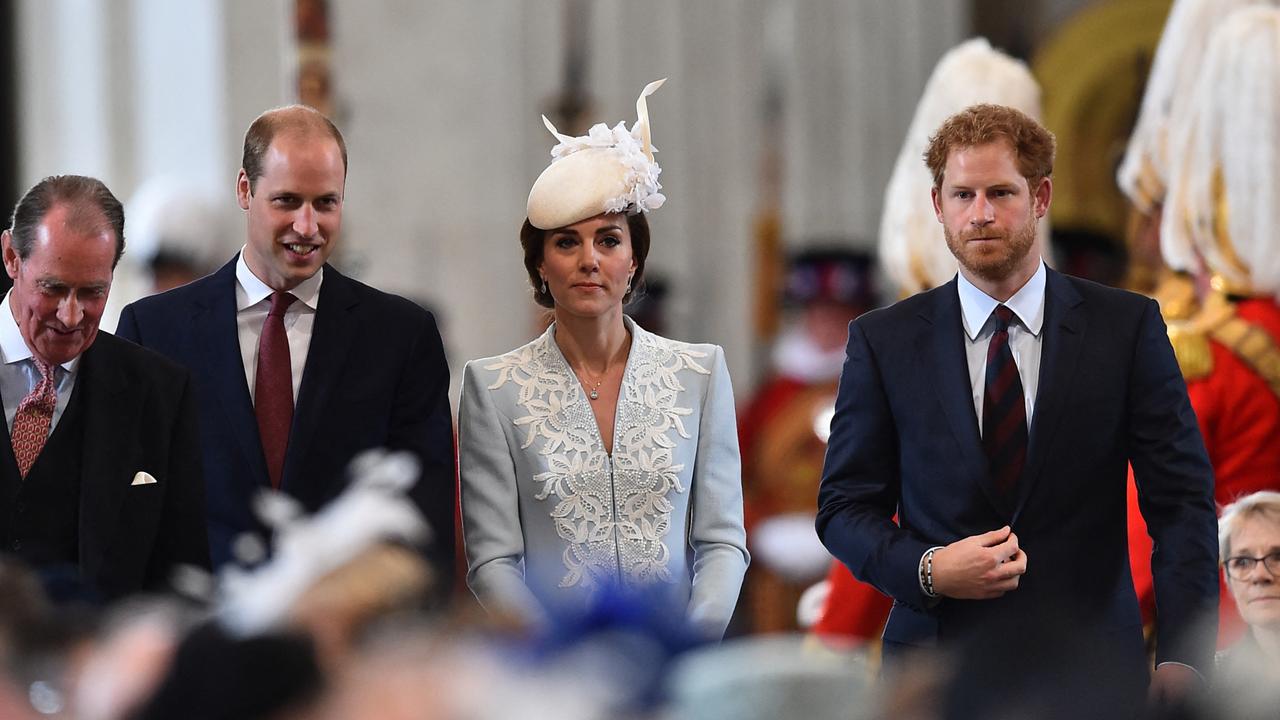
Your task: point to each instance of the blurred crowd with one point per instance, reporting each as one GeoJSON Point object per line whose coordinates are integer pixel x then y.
{"type": "Point", "coordinates": [354, 627]}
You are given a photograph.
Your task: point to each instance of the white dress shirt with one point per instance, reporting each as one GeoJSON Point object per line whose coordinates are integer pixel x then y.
{"type": "Point", "coordinates": [253, 301]}
{"type": "Point", "coordinates": [18, 373]}
{"type": "Point", "coordinates": [1025, 342]}
{"type": "Point", "coordinates": [1025, 338]}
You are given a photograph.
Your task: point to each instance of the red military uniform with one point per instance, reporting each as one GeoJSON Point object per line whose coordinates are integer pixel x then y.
{"type": "Point", "coordinates": [853, 611]}
{"type": "Point", "coordinates": [1231, 359]}
{"type": "Point", "coordinates": [783, 432]}
{"type": "Point", "coordinates": [782, 461]}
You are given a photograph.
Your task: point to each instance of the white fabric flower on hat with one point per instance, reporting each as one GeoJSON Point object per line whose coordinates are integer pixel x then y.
{"type": "Point", "coordinates": [608, 170]}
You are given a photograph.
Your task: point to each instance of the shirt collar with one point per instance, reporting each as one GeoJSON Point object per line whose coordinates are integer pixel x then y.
{"type": "Point", "coordinates": [1027, 304]}
{"type": "Point", "coordinates": [254, 291]}
{"type": "Point", "coordinates": [13, 345]}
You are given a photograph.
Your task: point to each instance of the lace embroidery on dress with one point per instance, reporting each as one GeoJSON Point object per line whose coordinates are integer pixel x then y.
{"type": "Point", "coordinates": [612, 530]}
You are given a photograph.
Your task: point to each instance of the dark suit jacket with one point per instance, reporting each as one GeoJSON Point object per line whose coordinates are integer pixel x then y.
{"type": "Point", "coordinates": [375, 377]}
{"type": "Point", "coordinates": [139, 415]}
{"type": "Point", "coordinates": [905, 439]}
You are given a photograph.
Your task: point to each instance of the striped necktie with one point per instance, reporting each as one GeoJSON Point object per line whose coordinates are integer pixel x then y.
{"type": "Point", "coordinates": [1004, 411]}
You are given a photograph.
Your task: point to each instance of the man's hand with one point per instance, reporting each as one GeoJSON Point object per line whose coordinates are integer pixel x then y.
{"type": "Point", "coordinates": [979, 567]}
{"type": "Point", "coordinates": [1171, 684]}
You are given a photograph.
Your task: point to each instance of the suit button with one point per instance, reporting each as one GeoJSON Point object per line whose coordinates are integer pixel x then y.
{"type": "Point", "coordinates": [16, 545]}
{"type": "Point", "coordinates": [19, 507]}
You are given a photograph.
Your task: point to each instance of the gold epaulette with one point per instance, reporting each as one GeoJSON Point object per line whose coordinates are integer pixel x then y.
{"type": "Point", "coordinates": [1191, 348]}
{"type": "Point", "coordinates": [1190, 337]}
{"type": "Point", "coordinates": [1254, 346]}
{"type": "Point", "coordinates": [1176, 294]}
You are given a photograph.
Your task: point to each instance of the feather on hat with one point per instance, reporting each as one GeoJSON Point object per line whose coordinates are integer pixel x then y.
{"type": "Point", "coordinates": [1225, 178]}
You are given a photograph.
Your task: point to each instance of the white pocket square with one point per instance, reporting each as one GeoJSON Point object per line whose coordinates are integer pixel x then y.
{"type": "Point", "coordinates": [143, 478]}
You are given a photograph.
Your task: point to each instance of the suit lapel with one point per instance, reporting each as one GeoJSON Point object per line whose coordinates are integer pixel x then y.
{"type": "Point", "coordinates": [941, 350]}
{"type": "Point", "coordinates": [1064, 332]}
{"type": "Point", "coordinates": [326, 356]}
{"type": "Point", "coordinates": [213, 319]}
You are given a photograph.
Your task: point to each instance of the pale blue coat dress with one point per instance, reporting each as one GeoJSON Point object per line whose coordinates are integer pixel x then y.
{"type": "Point", "coordinates": [549, 518]}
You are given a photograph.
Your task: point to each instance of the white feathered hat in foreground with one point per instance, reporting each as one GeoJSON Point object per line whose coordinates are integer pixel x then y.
{"type": "Point", "coordinates": [373, 509]}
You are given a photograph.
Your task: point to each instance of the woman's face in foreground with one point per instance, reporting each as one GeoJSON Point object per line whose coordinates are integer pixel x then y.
{"type": "Point", "coordinates": [587, 265]}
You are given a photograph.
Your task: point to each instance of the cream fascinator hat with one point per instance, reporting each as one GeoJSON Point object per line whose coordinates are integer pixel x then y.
{"type": "Point", "coordinates": [605, 171]}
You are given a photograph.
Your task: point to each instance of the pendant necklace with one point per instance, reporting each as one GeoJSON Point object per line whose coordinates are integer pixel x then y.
{"type": "Point", "coordinates": [593, 391]}
{"type": "Point", "coordinates": [593, 386]}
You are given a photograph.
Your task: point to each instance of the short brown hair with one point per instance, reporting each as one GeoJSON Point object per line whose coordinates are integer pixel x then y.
{"type": "Point", "coordinates": [291, 118]}
{"type": "Point", "coordinates": [533, 241]}
{"type": "Point", "coordinates": [1032, 144]}
{"type": "Point", "coordinates": [92, 206]}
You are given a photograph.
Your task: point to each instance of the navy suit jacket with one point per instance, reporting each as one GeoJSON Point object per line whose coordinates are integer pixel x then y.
{"type": "Point", "coordinates": [375, 376]}
{"type": "Point", "coordinates": [139, 415]}
{"type": "Point", "coordinates": [905, 439]}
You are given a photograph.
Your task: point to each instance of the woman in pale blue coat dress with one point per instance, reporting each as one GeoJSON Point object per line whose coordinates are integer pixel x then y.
{"type": "Point", "coordinates": [600, 455]}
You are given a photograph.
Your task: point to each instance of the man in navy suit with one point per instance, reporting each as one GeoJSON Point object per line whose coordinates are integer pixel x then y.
{"type": "Point", "coordinates": [997, 416]}
{"type": "Point", "coordinates": [299, 368]}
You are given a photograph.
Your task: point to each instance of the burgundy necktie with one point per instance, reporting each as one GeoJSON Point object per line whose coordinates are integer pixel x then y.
{"type": "Point", "coordinates": [34, 417]}
{"type": "Point", "coordinates": [273, 387]}
{"type": "Point", "coordinates": [1004, 411]}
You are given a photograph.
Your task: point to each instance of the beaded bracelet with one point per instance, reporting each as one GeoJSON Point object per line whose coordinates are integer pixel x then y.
{"type": "Point", "coordinates": [926, 574]}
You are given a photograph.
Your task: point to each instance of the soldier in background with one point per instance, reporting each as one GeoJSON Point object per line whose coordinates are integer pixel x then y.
{"type": "Point", "coordinates": [783, 431]}
{"type": "Point", "coordinates": [1217, 224]}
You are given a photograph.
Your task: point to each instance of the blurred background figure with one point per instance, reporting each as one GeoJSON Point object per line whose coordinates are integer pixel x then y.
{"type": "Point", "coordinates": [915, 257]}
{"type": "Point", "coordinates": [335, 572]}
{"type": "Point", "coordinates": [1214, 95]}
{"type": "Point", "coordinates": [767, 678]}
{"type": "Point", "coordinates": [1144, 171]}
{"type": "Point", "coordinates": [1248, 682]}
{"type": "Point", "coordinates": [284, 629]}
{"type": "Point", "coordinates": [128, 657]}
{"type": "Point", "coordinates": [784, 428]}
{"type": "Point", "coordinates": [176, 233]}
{"type": "Point", "coordinates": [33, 661]}
{"type": "Point", "coordinates": [420, 673]}
{"type": "Point", "coordinates": [176, 230]}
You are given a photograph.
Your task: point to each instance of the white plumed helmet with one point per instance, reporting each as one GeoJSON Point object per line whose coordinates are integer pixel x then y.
{"type": "Point", "coordinates": [913, 249]}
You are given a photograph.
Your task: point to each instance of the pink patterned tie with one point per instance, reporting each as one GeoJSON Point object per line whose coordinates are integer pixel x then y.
{"type": "Point", "coordinates": [34, 417]}
{"type": "Point", "coordinates": [273, 387]}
